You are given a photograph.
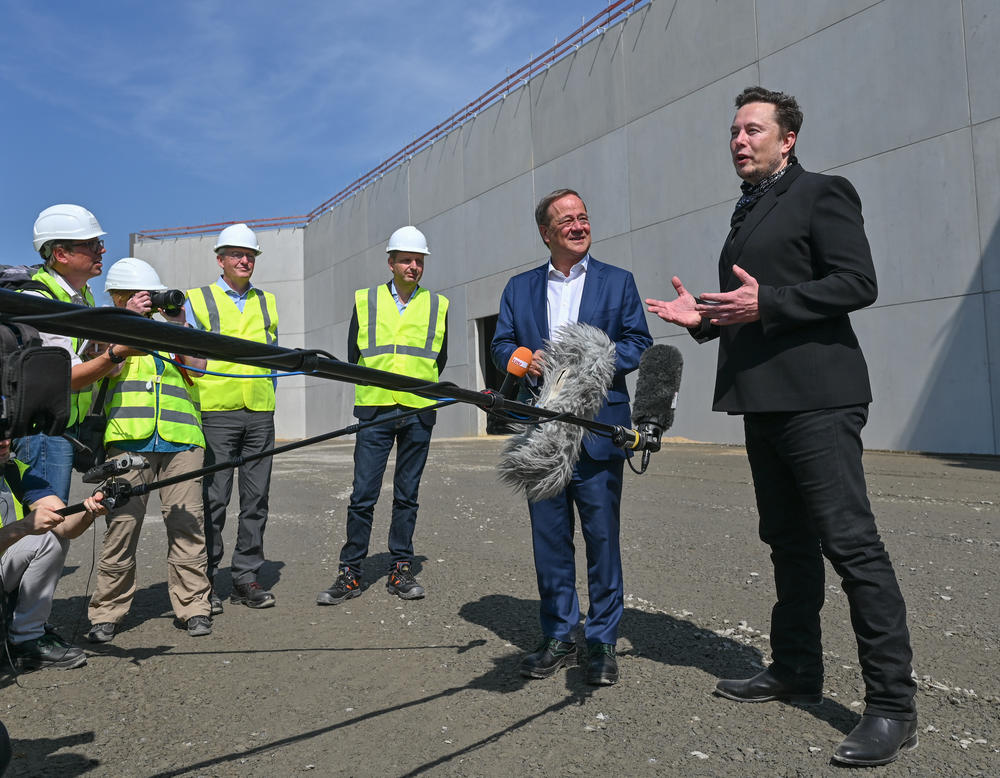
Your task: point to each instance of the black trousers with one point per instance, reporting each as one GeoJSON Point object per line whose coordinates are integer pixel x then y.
{"type": "Point", "coordinates": [813, 502]}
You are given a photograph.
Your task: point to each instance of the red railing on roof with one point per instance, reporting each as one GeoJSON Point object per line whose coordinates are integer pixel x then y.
{"type": "Point", "coordinates": [595, 26]}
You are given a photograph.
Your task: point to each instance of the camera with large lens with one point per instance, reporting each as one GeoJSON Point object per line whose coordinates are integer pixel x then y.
{"type": "Point", "coordinates": [170, 300]}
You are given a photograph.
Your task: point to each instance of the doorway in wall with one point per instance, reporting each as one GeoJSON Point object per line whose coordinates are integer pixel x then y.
{"type": "Point", "coordinates": [492, 376]}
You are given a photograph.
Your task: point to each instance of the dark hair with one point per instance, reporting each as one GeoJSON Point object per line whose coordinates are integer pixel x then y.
{"type": "Point", "coordinates": [786, 107]}
{"type": "Point", "coordinates": [542, 209]}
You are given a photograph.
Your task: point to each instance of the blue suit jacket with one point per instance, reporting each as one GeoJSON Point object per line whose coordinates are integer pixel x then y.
{"type": "Point", "coordinates": [610, 302]}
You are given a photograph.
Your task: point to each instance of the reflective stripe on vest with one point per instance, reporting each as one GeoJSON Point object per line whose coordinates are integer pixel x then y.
{"type": "Point", "coordinates": [80, 399]}
{"type": "Point", "coordinates": [141, 402]}
{"type": "Point", "coordinates": [407, 343]}
{"type": "Point", "coordinates": [5, 486]}
{"type": "Point", "coordinates": [216, 312]}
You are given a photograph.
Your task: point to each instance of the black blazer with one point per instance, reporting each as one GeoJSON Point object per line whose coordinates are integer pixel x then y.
{"type": "Point", "coordinates": [804, 242]}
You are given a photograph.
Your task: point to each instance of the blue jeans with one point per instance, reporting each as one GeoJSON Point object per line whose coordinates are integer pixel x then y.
{"type": "Point", "coordinates": [371, 453]}
{"type": "Point", "coordinates": [50, 458]}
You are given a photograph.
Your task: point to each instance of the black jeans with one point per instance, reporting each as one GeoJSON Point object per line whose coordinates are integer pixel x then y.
{"type": "Point", "coordinates": [812, 501]}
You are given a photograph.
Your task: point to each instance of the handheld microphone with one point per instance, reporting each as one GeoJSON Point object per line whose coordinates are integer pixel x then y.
{"type": "Point", "coordinates": [517, 366]}
{"type": "Point", "coordinates": [579, 365]}
{"type": "Point", "coordinates": [118, 465]}
{"type": "Point", "coordinates": [656, 394]}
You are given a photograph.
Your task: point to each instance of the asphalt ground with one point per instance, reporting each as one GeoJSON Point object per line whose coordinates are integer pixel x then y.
{"type": "Point", "coordinates": [381, 687]}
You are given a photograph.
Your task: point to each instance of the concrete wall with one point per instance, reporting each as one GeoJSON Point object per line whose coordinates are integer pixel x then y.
{"type": "Point", "coordinates": [900, 96]}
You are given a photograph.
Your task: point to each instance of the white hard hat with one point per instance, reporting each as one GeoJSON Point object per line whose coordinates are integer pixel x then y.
{"type": "Point", "coordinates": [133, 275]}
{"type": "Point", "coordinates": [65, 222]}
{"type": "Point", "coordinates": [238, 236]}
{"type": "Point", "coordinates": [408, 239]}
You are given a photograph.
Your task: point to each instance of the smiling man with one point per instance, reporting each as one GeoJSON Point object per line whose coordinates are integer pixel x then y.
{"type": "Point", "coordinates": [574, 287]}
{"type": "Point", "coordinates": [237, 414]}
{"type": "Point", "coordinates": [796, 263]}
{"type": "Point", "coordinates": [399, 327]}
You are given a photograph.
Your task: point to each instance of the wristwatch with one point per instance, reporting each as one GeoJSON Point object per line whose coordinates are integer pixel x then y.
{"type": "Point", "coordinates": [115, 360]}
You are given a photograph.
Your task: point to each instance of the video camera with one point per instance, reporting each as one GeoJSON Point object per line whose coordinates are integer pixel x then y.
{"type": "Point", "coordinates": [34, 383]}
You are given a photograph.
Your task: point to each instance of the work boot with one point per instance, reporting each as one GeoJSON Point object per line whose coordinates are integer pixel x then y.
{"type": "Point", "coordinates": [198, 625]}
{"type": "Point", "coordinates": [103, 632]}
{"type": "Point", "coordinates": [402, 583]}
{"type": "Point", "coordinates": [49, 650]}
{"type": "Point", "coordinates": [252, 594]}
{"type": "Point", "coordinates": [346, 587]}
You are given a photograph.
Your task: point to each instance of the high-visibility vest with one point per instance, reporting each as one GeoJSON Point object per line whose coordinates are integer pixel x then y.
{"type": "Point", "coordinates": [407, 343]}
{"type": "Point", "coordinates": [14, 488]}
{"type": "Point", "coordinates": [141, 402]}
{"type": "Point", "coordinates": [80, 399]}
{"type": "Point", "coordinates": [216, 312]}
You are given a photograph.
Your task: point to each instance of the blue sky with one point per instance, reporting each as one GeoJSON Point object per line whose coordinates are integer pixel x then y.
{"type": "Point", "coordinates": [176, 113]}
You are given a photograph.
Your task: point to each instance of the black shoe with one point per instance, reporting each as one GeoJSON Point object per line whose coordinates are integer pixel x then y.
{"type": "Point", "coordinates": [103, 632]}
{"type": "Point", "coordinates": [346, 587]}
{"type": "Point", "coordinates": [602, 668]}
{"type": "Point", "coordinates": [550, 655]}
{"type": "Point", "coordinates": [402, 583]}
{"type": "Point", "coordinates": [215, 602]}
{"type": "Point", "coordinates": [876, 740]}
{"type": "Point", "coordinates": [252, 594]}
{"type": "Point", "coordinates": [198, 625]}
{"type": "Point", "coordinates": [765, 687]}
{"type": "Point", "coordinates": [49, 650]}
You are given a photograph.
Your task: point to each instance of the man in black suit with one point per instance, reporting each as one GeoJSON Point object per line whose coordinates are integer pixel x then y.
{"type": "Point", "coordinates": [795, 264]}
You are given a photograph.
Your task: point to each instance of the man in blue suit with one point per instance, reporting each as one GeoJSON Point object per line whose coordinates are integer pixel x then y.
{"type": "Point", "coordinates": [575, 287]}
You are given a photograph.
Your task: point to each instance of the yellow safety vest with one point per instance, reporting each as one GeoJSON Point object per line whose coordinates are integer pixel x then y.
{"type": "Point", "coordinates": [216, 312]}
{"type": "Point", "coordinates": [141, 402]}
{"type": "Point", "coordinates": [18, 505]}
{"type": "Point", "coordinates": [407, 343]}
{"type": "Point", "coordinates": [81, 399]}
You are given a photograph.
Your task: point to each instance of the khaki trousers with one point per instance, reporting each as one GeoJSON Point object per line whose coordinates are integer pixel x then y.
{"type": "Point", "coordinates": [187, 560]}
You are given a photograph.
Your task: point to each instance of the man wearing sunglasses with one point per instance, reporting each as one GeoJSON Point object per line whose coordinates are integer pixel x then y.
{"type": "Point", "coordinates": [237, 413]}
{"type": "Point", "coordinates": [68, 238]}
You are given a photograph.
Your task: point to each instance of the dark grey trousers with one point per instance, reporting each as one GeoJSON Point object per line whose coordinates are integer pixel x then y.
{"type": "Point", "coordinates": [230, 434]}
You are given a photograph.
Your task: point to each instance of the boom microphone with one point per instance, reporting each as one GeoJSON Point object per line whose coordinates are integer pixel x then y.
{"type": "Point", "coordinates": [579, 365]}
{"type": "Point", "coordinates": [517, 366]}
{"type": "Point", "coordinates": [656, 393]}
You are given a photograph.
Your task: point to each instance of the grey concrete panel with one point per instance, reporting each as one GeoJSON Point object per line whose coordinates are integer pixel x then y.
{"type": "Point", "coordinates": [500, 229]}
{"type": "Point", "coordinates": [982, 49]}
{"type": "Point", "coordinates": [348, 231]}
{"type": "Point", "coordinates": [291, 315]}
{"type": "Point", "coordinates": [181, 263]}
{"type": "Point", "coordinates": [281, 256]}
{"type": "Point", "coordinates": [930, 377]}
{"type": "Point", "coordinates": [781, 23]}
{"type": "Point", "coordinates": [359, 272]}
{"type": "Point", "coordinates": [616, 250]}
{"type": "Point", "coordinates": [436, 178]}
{"type": "Point", "coordinates": [992, 304]}
{"type": "Point", "coordinates": [318, 299]}
{"type": "Point", "coordinates": [986, 151]}
{"type": "Point", "coordinates": [675, 48]}
{"type": "Point", "coordinates": [458, 341]}
{"type": "Point", "coordinates": [497, 144]}
{"type": "Point", "coordinates": [388, 205]}
{"type": "Point", "coordinates": [678, 156]}
{"type": "Point", "coordinates": [862, 103]}
{"type": "Point", "coordinates": [483, 294]}
{"type": "Point", "coordinates": [318, 245]}
{"type": "Point", "coordinates": [937, 253]}
{"type": "Point", "coordinates": [447, 236]}
{"type": "Point", "coordinates": [578, 99]}
{"type": "Point", "coordinates": [687, 247]}
{"type": "Point", "coordinates": [289, 410]}
{"type": "Point", "coordinates": [599, 172]}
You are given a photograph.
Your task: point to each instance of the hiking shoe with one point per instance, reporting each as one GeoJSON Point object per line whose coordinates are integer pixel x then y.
{"type": "Point", "coordinates": [198, 625]}
{"type": "Point", "coordinates": [402, 583]}
{"type": "Point", "coordinates": [346, 587]}
{"type": "Point", "coordinates": [49, 650]}
{"type": "Point", "coordinates": [215, 601]}
{"type": "Point", "coordinates": [253, 595]}
{"type": "Point", "coordinates": [103, 632]}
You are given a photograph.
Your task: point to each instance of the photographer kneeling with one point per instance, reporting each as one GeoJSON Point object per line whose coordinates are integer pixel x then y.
{"type": "Point", "coordinates": [152, 410]}
{"type": "Point", "coordinates": [34, 544]}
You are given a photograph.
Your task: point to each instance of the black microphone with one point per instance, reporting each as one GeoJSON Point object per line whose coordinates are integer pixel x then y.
{"type": "Point", "coordinates": [656, 392]}
{"type": "Point", "coordinates": [115, 466]}
{"type": "Point", "coordinates": [517, 366]}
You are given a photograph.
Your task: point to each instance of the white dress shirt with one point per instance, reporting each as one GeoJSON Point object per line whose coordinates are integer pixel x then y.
{"type": "Point", "coordinates": [563, 295]}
